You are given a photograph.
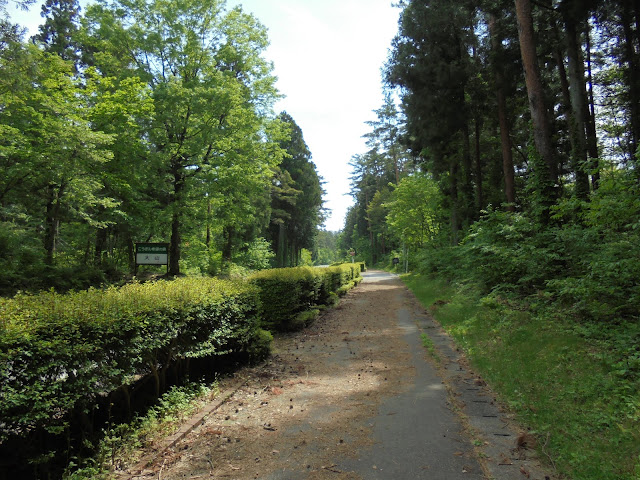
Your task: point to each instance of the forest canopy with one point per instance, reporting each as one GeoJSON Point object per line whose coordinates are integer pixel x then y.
{"type": "Point", "coordinates": [521, 122]}
{"type": "Point", "coordinates": [136, 121]}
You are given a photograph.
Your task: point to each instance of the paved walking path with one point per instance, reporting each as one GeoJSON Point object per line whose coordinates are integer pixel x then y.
{"type": "Point", "coordinates": [356, 396]}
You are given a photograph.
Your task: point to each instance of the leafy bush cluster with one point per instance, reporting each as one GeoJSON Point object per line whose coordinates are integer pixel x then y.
{"type": "Point", "coordinates": [588, 261]}
{"type": "Point", "coordinates": [23, 266]}
{"type": "Point", "coordinates": [286, 293]}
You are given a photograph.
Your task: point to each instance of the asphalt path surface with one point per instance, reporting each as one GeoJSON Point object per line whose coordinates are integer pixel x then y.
{"type": "Point", "coordinates": [355, 396]}
{"type": "Point", "coordinates": [417, 434]}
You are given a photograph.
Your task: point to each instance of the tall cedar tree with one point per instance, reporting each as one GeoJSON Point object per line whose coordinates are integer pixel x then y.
{"type": "Point", "coordinates": [548, 168]}
{"type": "Point", "coordinates": [430, 64]}
{"type": "Point", "coordinates": [58, 32]}
{"type": "Point", "coordinates": [297, 199]}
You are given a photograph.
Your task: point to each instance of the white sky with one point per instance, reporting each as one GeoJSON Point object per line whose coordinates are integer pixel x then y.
{"type": "Point", "coordinates": [327, 56]}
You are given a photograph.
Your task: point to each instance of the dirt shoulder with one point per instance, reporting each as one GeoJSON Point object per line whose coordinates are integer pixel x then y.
{"type": "Point", "coordinates": [342, 399]}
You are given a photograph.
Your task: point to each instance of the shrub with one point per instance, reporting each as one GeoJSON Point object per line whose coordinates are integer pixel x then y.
{"type": "Point", "coordinates": [282, 295]}
{"type": "Point", "coordinates": [507, 251]}
{"type": "Point", "coordinates": [59, 353]}
{"type": "Point", "coordinates": [342, 291]}
{"type": "Point", "coordinates": [304, 319]}
{"type": "Point", "coordinates": [285, 292]}
{"type": "Point", "coordinates": [256, 255]}
{"type": "Point", "coordinates": [260, 345]}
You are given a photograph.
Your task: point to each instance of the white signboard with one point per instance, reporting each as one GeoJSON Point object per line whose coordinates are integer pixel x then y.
{"type": "Point", "coordinates": [152, 254]}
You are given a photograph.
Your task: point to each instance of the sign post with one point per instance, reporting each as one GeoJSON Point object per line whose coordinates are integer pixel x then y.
{"type": "Point", "coordinates": [152, 254]}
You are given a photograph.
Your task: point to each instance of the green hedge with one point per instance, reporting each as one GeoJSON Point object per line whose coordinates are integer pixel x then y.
{"type": "Point", "coordinates": [286, 292]}
{"type": "Point", "coordinates": [58, 352]}
{"type": "Point", "coordinates": [64, 355]}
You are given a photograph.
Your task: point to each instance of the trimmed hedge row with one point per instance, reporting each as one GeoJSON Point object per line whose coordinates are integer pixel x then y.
{"type": "Point", "coordinates": [58, 352]}
{"type": "Point", "coordinates": [285, 293]}
{"type": "Point", "coordinates": [62, 355]}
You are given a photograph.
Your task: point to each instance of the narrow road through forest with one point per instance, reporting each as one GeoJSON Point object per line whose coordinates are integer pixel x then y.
{"type": "Point", "coordinates": [355, 396]}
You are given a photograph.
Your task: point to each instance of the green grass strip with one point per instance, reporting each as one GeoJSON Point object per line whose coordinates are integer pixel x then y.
{"type": "Point", "coordinates": [427, 343]}
{"type": "Point", "coordinates": [584, 410]}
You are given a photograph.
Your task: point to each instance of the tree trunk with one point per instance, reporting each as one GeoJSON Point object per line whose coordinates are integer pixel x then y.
{"type": "Point", "coordinates": [52, 221]}
{"type": "Point", "coordinates": [101, 242]}
{"type": "Point", "coordinates": [281, 254]}
{"type": "Point", "coordinates": [453, 196]}
{"type": "Point", "coordinates": [633, 73]}
{"type": "Point", "coordinates": [479, 190]}
{"type": "Point", "coordinates": [508, 169]}
{"type": "Point", "coordinates": [469, 200]}
{"type": "Point", "coordinates": [176, 203]}
{"type": "Point", "coordinates": [207, 240]}
{"type": "Point", "coordinates": [371, 236]}
{"type": "Point", "coordinates": [578, 97]}
{"type": "Point", "coordinates": [50, 229]}
{"type": "Point", "coordinates": [397, 167]}
{"type": "Point", "coordinates": [535, 93]}
{"type": "Point", "coordinates": [394, 155]}
{"type": "Point", "coordinates": [505, 131]}
{"type": "Point", "coordinates": [590, 119]}
{"type": "Point", "coordinates": [131, 252]}
{"type": "Point", "coordinates": [174, 248]}
{"type": "Point", "coordinates": [293, 261]}
{"type": "Point", "coordinates": [227, 248]}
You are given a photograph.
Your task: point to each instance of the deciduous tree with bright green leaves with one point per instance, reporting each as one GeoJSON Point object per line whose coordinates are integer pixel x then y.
{"type": "Point", "coordinates": [413, 216]}
{"type": "Point", "coordinates": [50, 155]}
{"type": "Point", "coordinates": [212, 92]}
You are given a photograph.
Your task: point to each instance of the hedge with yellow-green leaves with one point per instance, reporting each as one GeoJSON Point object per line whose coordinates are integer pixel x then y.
{"type": "Point", "coordinates": [58, 352]}
{"type": "Point", "coordinates": [285, 293]}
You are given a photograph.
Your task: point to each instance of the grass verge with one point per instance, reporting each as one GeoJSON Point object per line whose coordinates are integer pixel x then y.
{"type": "Point", "coordinates": [561, 383]}
{"type": "Point", "coordinates": [122, 444]}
